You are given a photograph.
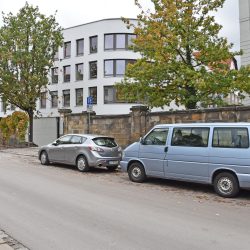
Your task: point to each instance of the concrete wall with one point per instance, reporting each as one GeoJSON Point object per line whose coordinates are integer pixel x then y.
{"type": "Point", "coordinates": [129, 128]}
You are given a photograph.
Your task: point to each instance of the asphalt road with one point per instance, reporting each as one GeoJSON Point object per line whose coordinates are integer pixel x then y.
{"type": "Point", "coordinates": [56, 207]}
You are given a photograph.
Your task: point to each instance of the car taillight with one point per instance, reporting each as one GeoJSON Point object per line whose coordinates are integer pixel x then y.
{"type": "Point", "coordinates": [97, 149]}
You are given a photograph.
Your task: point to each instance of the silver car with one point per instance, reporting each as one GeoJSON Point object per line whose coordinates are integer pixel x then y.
{"type": "Point", "coordinates": [83, 151]}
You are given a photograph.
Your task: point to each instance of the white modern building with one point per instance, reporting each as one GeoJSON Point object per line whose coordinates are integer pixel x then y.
{"type": "Point", "coordinates": [94, 57]}
{"type": "Point", "coordinates": [244, 8]}
{"type": "Point", "coordinates": [92, 60]}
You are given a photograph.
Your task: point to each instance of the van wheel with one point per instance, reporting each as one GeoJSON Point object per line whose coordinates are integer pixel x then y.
{"type": "Point", "coordinates": [44, 159]}
{"type": "Point", "coordinates": [82, 164]}
{"type": "Point", "coordinates": [226, 185]}
{"type": "Point", "coordinates": [136, 172]}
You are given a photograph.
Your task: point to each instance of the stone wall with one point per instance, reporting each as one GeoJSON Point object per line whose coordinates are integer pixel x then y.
{"type": "Point", "coordinates": [129, 128]}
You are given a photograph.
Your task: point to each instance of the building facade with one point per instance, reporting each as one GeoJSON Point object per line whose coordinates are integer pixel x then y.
{"type": "Point", "coordinates": [244, 8]}
{"type": "Point", "coordinates": [94, 57]}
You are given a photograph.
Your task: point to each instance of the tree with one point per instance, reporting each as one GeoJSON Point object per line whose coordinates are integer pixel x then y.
{"type": "Point", "coordinates": [28, 43]}
{"type": "Point", "coordinates": [183, 57]}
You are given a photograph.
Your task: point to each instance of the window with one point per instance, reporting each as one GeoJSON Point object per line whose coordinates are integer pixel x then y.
{"type": "Point", "coordinates": [108, 41]}
{"type": "Point", "coordinates": [79, 47]}
{"type": "Point", "coordinates": [93, 93]}
{"type": "Point", "coordinates": [105, 142]}
{"type": "Point", "coordinates": [191, 137]}
{"type": "Point", "coordinates": [156, 137]}
{"type": "Point", "coordinates": [67, 49]}
{"type": "Point", "coordinates": [111, 95]}
{"type": "Point", "coordinates": [56, 56]}
{"type": "Point", "coordinates": [66, 98]}
{"type": "Point", "coordinates": [118, 41]}
{"type": "Point", "coordinates": [75, 139]}
{"type": "Point", "coordinates": [66, 73]}
{"type": "Point", "coordinates": [79, 72]}
{"type": "Point", "coordinates": [109, 68]}
{"type": "Point", "coordinates": [93, 44]}
{"type": "Point", "coordinates": [93, 69]}
{"type": "Point", "coordinates": [12, 107]}
{"type": "Point", "coordinates": [43, 100]}
{"type": "Point", "coordinates": [54, 75]}
{"type": "Point", "coordinates": [79, 97]}
{"type": "Point", "coordinates": [130, 38]}
{"type": "Point", "coordinates": [54, 99]}
{"type": "Point", "coordinates": [116, 67]}
{"type": "Point", "coordinates": [230, 138]}
{"type": "Point", "coordinates": [4, 106]}
{"type": "Point", "coordinates": [64, 140]}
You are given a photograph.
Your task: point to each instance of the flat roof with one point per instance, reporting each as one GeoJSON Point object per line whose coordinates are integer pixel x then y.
{"type": "Point", "coordinates": [101, 20]}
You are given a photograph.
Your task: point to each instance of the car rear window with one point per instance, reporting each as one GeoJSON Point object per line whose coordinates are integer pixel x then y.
{"type": "Point", "coordinates": [105, 142]}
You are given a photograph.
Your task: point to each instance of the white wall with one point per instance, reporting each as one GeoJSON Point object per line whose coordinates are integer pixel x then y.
{"type": "Point", "coordinates": [244, 8]}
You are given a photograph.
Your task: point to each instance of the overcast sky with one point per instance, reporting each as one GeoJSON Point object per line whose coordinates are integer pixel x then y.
{"type": "Point", "coordinates": [75, 12]}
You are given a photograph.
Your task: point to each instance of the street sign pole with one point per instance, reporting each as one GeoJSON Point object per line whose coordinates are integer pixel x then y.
{"type": "Point", "coordinates": [89, 110]}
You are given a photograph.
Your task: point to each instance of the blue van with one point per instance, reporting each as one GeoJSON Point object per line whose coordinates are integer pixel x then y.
{"type": "Point", "coordinates": [211, 153]}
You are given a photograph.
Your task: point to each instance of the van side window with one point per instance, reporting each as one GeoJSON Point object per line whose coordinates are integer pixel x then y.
{"type": "Point", "coordinates": [156, 137]}
{"type": "Point", "coordinates": [190, 137]}
{"type": "Point", "coordinates": [230, 138]}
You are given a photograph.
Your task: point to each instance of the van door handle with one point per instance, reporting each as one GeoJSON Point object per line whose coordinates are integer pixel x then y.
{"type": "Point", "coordinates": [166, 149]}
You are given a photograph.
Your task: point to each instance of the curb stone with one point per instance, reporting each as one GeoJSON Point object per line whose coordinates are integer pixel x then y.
{"type": "Point", "coordinates": [8, 243]}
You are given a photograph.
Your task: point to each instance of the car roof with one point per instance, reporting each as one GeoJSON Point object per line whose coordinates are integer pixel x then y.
{"type": "Point", "coordinates": [90, 136]}
{"type": "Point", "coordinates": [204, 124]}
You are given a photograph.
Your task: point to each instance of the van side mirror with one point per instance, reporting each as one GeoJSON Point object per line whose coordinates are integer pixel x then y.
{"type": "Point", "coordinates": [142, 141]}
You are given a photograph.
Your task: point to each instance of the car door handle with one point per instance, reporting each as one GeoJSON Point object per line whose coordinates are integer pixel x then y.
{"type": "Point", "coordinates": [166, 149]}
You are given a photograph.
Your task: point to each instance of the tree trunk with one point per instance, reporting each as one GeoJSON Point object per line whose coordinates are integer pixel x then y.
{"type": "Point", "coordinates": [30, 113]}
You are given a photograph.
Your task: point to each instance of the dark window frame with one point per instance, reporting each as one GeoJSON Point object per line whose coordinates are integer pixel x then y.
{"type": "Point", "coordinates": [94, 76]}
{"type": "Point", "coordinates": [66, 77]}
{"type": "Point", "coordinates": [64, 95]}
{"type": "Point", "coordinates": [54, 94]}
{"type": "Point", "coordinates": [126, 45]}
{"type": "Point", "coordinates": [66, 53]}
{"type": "Point", "coordinates": [233, 147]}
{"type": "Point", "coordinates": [76, 97]}
{"type": "Point", "coordinates": [187, 138]}
{"type": "Point", "coordinates": [54, 77]}
{"type": "Point", "coordinates": [77, 72]}
{"type": "Point", "coordinates": [77, 47]}
{"type": "Point", "coordinates": [43, 98]}
{"type": "Point", "coordinates": [91, 94]}
{"type": "Point", "coordinates": [115, 96]}
{"type": "Point", "coordinates": [91, 49]}
{"type": "Point", "coordinates": [127, 61]}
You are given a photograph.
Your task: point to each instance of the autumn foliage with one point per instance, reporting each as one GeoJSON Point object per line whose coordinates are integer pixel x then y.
{"type": "Point", "coordinates": [14, 125]}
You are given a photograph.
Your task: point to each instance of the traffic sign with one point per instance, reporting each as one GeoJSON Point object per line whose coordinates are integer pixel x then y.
{"type": "Point", "coordinates": [89, 100]}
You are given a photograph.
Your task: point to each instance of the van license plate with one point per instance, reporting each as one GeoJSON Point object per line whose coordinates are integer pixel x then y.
{"type": "Point", "coordinates": [113, 162]}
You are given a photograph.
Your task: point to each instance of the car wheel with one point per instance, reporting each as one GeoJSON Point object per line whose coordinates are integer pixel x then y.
{"type": "Point", "coordinates": [136, 172]}
{"type": "Point", "coordinates": [226, 185]}
{"type": "Point", "coordinates": [112, 168]}
{"type": "Point", "coordinates": [44, 159]}
{"type": "Point", "coordinates": [82, 164]}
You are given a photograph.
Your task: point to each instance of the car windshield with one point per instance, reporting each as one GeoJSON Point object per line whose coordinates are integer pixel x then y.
{"type": "Point", "coordinates": [105, 142]}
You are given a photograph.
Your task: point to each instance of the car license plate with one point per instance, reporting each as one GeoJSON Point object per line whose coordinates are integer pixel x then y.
{"type": "Point", "coordinates": [113, 162]}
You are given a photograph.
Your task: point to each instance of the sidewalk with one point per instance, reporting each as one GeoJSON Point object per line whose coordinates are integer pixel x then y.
{"type": "Point", "coordinates": [7, 243]}
{"type": "Point", "coordinates": [31, 151]}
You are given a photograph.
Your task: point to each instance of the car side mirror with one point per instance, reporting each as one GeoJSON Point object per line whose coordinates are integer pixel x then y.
{"type": "Point", "coordinates": [55, 143]}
